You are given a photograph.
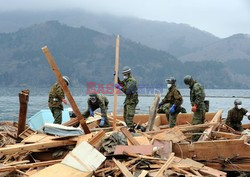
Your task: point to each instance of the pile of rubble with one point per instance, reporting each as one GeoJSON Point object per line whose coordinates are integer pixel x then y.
{"type": "Point", "coordinates": [104, 152]}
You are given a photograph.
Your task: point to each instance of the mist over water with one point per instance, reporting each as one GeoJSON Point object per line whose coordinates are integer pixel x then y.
{"type": "Point", "coordinates": [38, 99]}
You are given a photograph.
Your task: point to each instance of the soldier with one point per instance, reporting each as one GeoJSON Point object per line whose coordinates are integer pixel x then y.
{"type": "Point", "coordinates": [235, 116]}
{"type": "Point", "coordinates": [128, 86]}
{"type": "Point", "coordinates": [56, 97]}
{"type": "Point", "coordinates": [96, 101]}
{"type": "Point", "coordinates": [197, 96]}
{"type": "Point", "coordinates": [171, 104]}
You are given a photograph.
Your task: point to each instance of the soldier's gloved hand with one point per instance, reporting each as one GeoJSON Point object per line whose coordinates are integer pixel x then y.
{"type": "Point", "coordinates": [64, 101]}
{"type": "Point", "coordinates": [159, 105]}
{"type": "Point", "coordinates": [118, 86]}
{"type": "Point", "coordinates": [91, 112]}
{"type": "Point", "coordinates": [101, 124]}
{"type": "Point", "coordinates": [172, 109]}
{"type": "Point", "coordinates": [194, 108]}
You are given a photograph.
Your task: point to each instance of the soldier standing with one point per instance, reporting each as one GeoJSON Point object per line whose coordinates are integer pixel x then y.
{"type": "Point", "coordinates": [96, 101]}
{"type": "Point", "coordinates": [235, 116]}
{"type": "Point", "coordinates": [129, 87]}
{"type": "Point", "coordinates": [56, 97]}
{"type": "Point", "coordinates": [197, 96]}
{"type": "Point", "coordinates": [171, 104]}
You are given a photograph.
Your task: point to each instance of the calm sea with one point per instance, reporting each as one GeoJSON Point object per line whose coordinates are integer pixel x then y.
{"type": "Point", "coordinates": [9, 101]}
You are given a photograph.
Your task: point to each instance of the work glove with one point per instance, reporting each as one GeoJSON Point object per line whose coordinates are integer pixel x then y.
{"type": "Point", "coordinates": [159, 105]}
{"type": "Point", "coordinates": [118, 86]}
{"type": "Point", "coordinates": [64, 101]}
{"type": "Point", "coordinates": [172, 109]}
{"type": "Point", "coordinates": [101, 124]}
{"type": "Point", "coordinates": [91, 112]}
{"type": "Point", "coordinates": [194, 108]}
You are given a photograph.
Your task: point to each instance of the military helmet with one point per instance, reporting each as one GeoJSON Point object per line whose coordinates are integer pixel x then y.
{"type": "Point", "coordinates": [237, 102]}
{"type": "Point", "coordinates": [170, 80]}
{"type": "Point", "coordinates": [126, 70]}
{"type": "Point", "coordinates": [93, 94]}
{"type": "Point", "coordinates": [187, 79]}
{"type": "Point", "coordinates": [66, 78]}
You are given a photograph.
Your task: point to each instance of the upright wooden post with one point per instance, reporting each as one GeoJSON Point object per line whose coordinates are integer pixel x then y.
{"type": "Point", "coordinates": [117, 47]}
{"type": "Point", "coordinates": [66, 90]}
{"type": "Point", "coordinates": [23, 99]}
{"type": "Point", "coordinates": [153, 112]}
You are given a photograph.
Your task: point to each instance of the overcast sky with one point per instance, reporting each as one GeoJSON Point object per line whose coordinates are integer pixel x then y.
{"type": "Point", "coordinates": [220, 17]}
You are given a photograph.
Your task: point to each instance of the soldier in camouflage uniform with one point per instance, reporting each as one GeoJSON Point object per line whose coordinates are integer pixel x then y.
{"type": "Point", "coordinates": [56, 97]}
{"type": "Point", "coordinates": [129, 87]}
{"type": "Point", "coordinates": [96, 101]}
{"type": "Point", "coordinates": [171, 104]}
{"type": "Point", "coordinates": [197, 96]}
{"type": "Point", "coordinates": [235, 116]}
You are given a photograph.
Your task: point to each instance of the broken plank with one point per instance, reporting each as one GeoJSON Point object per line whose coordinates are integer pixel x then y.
{"type": "Point", "coordinates": [123, 168]}
{"type": "Point", "coordinates": [61, 170]}
{"type": "Point", "coordinates": [207, 133]}
{"type": "Point", "coordinates": [165, 166]}
{"type": "Point", "coordinates": [65, 88]}
{"type": "Point", "coordinates": [152, 112]}
{"type": "Point", "coordinates": [29, 147]}
{"type": "Point", "coordinates": [135, 149]}
{"type": "Point", "coordinates": [129, 136]}
{"type": "Point", "coordinates": [143, 173]}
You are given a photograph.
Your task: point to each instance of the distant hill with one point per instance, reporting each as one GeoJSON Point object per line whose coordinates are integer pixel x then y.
{"type": "Point", "coordinates": [88, 56]}
{"type": "Point", "coordinates": [177, 39]}
{"type": "Point", "coordinates": [236, 47]}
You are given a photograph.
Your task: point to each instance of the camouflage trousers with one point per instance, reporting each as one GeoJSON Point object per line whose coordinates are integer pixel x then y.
{"type": "Point", "coordinates": [86, 114]}
{"type": "Point", "coordinates": [57, 114]}
{"type": "Point", "coordinates": [128, 114]}
{"type": "Point", "coordinates": [198, 118]}
{"type": "Point", "coordinates": [170, 117]}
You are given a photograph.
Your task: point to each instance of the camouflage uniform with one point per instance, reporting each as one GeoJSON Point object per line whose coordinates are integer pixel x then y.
{"type": "Point", "coordinates": [234, 118]}
{"type": "Point", "coordinates": [197, 96]}
{"type": "Point", "coordinates": [56, 95]}
{"type": "Point", "coordinates": [102, 103]}
{"type": "Point", "coordinates": [173, 97]}
{"type": "Point", "coordinates": [130, 89]}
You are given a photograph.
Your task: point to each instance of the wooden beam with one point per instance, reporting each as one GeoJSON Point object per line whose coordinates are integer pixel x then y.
{"type": "Point", "coordinates": [225, 135]}
{"type": "Point", "coordinates": [66, 90]}
{"type": "Point", "coordinates": [152, 112]}
{"type": "Point", "coordinates": [117, 50]}
{"type": "Point", "coordinates": [123, 168]}
{"type": "Point", "coordinates": [23, 99]}
{"type": "Point", "coordinates": [207, 133]}
{"type": "Point", "coordinates": [165, 166]}
{"type": "Point", "coordinates": [29, 147]}
{"type": "Point", "coordinates": [129, 136]}
{"type": "Point", "coordinates": [30, 165]}
{"type": "Point", "coordinates": [96, 140]}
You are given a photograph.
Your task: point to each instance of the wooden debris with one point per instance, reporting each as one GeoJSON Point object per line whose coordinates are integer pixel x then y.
{"type": "Point", "coordinates": [23, 99]}
{"type": "Point", "coordinates": [129, 136]}
{"type": "Point", "coordinates": [123, 168]}
{"type": "Point", "coordinates": [152, 112]}
{"type": "Point", "coordinates": [66, 90]}
{"type": "Point", "coordinates": [134, 149]}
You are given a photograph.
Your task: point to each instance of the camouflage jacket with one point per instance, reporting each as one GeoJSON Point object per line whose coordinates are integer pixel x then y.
{"type": "Point", "coordinates": [197, 95]}
{"type": "Point", "coordinates": [101, 102]}
{"type": "Point", "coordinates": [235, 116]}
{"type": "Point", "coordinates": [130, 89]}
{"type": "Point", "coordinates": [56, 95]}
{"type": "Point", "coordinates": [173, 97]}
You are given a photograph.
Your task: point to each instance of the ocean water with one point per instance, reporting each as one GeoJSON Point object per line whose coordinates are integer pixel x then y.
{"type": "Point", "coordinates": [218, 99]}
